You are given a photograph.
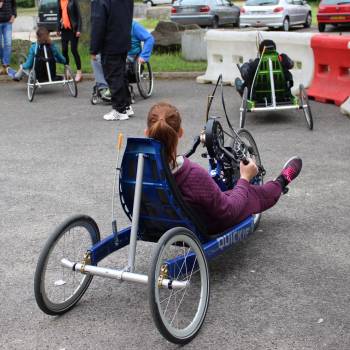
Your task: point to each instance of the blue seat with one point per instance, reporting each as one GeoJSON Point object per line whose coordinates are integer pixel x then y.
{"type": "Point", "coordinates": [162, 206]}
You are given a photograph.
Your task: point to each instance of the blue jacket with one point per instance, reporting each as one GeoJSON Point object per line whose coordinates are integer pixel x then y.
{"type": "Point", "coordinates": [140, 34]}
{"type": "Point", "coordinates": [28, 64]}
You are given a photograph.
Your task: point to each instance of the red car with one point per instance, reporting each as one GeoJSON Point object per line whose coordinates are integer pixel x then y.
{"type": "Point", "coordinates": [333, 12]}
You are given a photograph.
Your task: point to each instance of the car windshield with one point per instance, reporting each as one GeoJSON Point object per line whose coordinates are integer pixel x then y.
{"type": "Point", "coordinates": [191, 2]}
{"type": "Point", "coordinates": [335, 2]}
{"type": "Point", "coordinates": [261, 2]}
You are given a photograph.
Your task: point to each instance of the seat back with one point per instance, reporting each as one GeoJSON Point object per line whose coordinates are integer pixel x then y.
{"type": "Point", "coordinates": [43, 55]}
{"type": "Point", "coordinates": [262, 85]}
{"type": "Point", "coordinates": [162, 206]}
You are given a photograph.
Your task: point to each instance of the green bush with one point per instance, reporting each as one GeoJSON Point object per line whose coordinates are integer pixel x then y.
{"type": "Point", "coordinates": [25, 3]}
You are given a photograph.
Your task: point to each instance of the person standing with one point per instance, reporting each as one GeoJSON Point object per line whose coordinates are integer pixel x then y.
{"type": "Point", "coordinates": [69, 28]}
{"type": "Point", "coordinates": [111, 37]}
{"type": "Point", "coordinates": [8, 13]}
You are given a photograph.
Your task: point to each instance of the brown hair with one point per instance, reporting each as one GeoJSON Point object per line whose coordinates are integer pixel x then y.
{"type": "Point", "coordinates": [164, 123]}
{"type": "Point", "coordinates": [43, 35]}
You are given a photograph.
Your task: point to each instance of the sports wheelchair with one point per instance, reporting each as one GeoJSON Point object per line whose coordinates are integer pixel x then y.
{"type": "Point", "coordinates": [178, 279]}
{"type": "Point", "coordinates": [139, 74]}
{"type": "Point", "coordinates": [269, 91]}
{"type": "Point", "coordinates": [43, 73]}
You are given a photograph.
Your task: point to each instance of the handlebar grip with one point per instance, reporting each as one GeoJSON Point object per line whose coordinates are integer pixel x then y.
{"type": "Point", "coordinates": [245, 161]}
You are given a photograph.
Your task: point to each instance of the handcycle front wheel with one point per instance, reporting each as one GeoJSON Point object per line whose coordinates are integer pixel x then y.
{"type": "Point", "coordinates": [144, 78]}
{"type": "Point", "coordinates": [305, 105]}
{"type": "Point", "coordinates": [253, 153]}
{"type": "Point", "coordinates": [243, 109]}
{"type": "Point", "coordinates": [57, 289]}
{"type": "Point", "coordinates": [70, 81]}
{"type": "Point", "coordinates": [31, 85]}
{"type": "Point", "coordinates": [179, 313]}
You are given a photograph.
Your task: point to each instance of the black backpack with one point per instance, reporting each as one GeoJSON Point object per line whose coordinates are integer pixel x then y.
{"type": "Point", "coordinates": [41, 60]}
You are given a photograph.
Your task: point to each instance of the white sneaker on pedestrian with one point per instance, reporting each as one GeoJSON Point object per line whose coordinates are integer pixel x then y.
{"type": "Point", "coordinates": [115, 115]}
{"type": "Point", "coordinates": [129, 111]}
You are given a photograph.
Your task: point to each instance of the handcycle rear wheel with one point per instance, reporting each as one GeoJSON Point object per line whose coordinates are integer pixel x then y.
{"type": "Point", "coordinates": [56, 288]}
{"type": "Point", "coordinates": [243, 109]}
{"type": "Point", "coordinates": [70, 81]}
{"type": "Point", "coordinates": [31, 85]}
{"type": "Point", "coordinates": [144, 78]}
{"type": "Point", "coordinates": [248, 139]}
{"type": "Point", "coordinates": [179, 314]}
{"type": "Point", "coordinates": [305, 105]}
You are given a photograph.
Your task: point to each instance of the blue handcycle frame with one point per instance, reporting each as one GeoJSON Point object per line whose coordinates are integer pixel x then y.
{"type": "Point", "coordinates": [145, 173]}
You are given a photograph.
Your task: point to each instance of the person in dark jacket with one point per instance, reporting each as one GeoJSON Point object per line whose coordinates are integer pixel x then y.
{"type": "Point", "coordinates": [69, 28]}
{"type": "Point", "coordinates": [111, 37]}
{"type": "Point", "coordinates": [248, 69]}
{"type": "Point", "coordinates": [8, 13]}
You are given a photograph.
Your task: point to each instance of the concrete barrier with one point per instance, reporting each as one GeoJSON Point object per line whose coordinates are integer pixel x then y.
{"type": "Point", "coordinates": [158, 12]}
{"type": "Point", "coordinates": [140, 10]}
{"type": "Point", "coordinates": [345, 107]}
{"type": "Point", "coordinates": [227, 48]}
{"type": "Point", "coordinates": [193, 46]}
{"type": "Point", "coordinates": [24, 24]}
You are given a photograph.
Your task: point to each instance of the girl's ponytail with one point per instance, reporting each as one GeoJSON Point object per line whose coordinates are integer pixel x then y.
{"type": "Point", "coordinates": [164, 123]}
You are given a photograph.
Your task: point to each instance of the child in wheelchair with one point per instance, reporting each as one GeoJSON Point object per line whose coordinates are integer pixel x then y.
{"type": "Point", "coordinates": [218, 210]}
{"type": "Point", "coordinates": [248, 69]}
{"type": "Point", "coordinates": [141, 49]}
{"type": "Point", "coordinates": [39, 54]}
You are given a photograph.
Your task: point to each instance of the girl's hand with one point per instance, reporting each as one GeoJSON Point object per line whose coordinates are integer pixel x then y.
{"type": "Point", "coordinates": [77, 34]}
{"type": "Point", "coordinates": [248, 171]}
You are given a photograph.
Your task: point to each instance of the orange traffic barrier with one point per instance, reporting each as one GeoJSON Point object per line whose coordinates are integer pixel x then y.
{"type": "Point", "coordinates": [331, 82]}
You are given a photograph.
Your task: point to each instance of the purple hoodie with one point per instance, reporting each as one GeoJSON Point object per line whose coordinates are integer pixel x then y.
{"type": "Point", "coordinates": [221, 210]}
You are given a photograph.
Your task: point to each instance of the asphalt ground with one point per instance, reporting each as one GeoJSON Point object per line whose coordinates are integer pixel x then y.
{"type": "Point", "coordinates": [285, 287]}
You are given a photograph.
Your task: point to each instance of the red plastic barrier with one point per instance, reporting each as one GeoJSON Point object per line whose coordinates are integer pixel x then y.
{"type": "Point", "coordinates": [331, 82]}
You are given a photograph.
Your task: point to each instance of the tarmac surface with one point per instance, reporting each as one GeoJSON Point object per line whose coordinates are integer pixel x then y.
{"type": "Point", "coordinates": [285, 287]}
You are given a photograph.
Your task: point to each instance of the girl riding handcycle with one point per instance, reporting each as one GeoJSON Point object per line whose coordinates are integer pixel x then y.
{"type": "Point", "coordinates": [192, 215]}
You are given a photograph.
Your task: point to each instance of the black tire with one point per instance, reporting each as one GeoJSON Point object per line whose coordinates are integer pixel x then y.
{"type": "Point", "coordinates": [94, 99]}
{"type": "Point", "coordinates": [286, 24]}
{"type": "Point", "coordinates": [64, 235]}
{"type": "Point", "coordinates": [248, 139]}
{"type": "Point", "coordinates": [70, 81]}
{"type": "Point", "coordinates": [243, 108]}
{"type": "Point", "coordinates": [321, 27]}
{"type": "Point", "coordinates": [215, 23]}
{"type": "Point", "coordinates": [174, 244]}
{"type": "Point", "coordinates": [31, 85]}
{"type": "Point", "coordinates": [305, 105]}
{"type": "Point", "coordinates": [144, 78]}
{"type": "Point", "coordinates": [308, 20]}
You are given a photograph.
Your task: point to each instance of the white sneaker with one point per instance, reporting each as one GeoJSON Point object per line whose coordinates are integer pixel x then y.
{"type": "Point", "coordinates": [115, 115]}
{"type": "Point", "coordinates": [130, 111]}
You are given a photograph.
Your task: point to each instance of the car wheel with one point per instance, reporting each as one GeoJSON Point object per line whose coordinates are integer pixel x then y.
{"type": "Point", "coordinates": [321, 27]}
{"type": "Point", "coordinates": [286, 24]}
{"type": "Point", "coordinates": [236, 24]}
{"type": "Point", "coordinates": [215, 23]}
{"type": "Point", "coordinates": [308, 21]}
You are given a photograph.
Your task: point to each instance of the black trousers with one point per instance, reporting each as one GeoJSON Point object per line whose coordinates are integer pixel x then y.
{"type": "Point", "coordinates": [114, 70]}
{"type": "Point", "coordinates": [67, 35]}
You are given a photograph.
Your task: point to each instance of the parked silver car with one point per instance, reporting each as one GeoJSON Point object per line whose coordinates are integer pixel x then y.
{"type": "Point", "coordinates": [205, 12]}
{"type": "Point", "coordinates": [275, 13]}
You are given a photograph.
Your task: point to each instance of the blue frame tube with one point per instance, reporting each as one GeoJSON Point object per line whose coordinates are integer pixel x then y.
{"type": "Point", "coordinates": [179, 265]}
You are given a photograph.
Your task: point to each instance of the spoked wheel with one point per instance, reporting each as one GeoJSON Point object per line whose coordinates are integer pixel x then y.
{"type": "Point", "coordinates": [243, 109]}
{"type": "Point", "coordinates": [70, 81]}
{"type": "Point", "coordinates": [144, 79]}
{"type": "Point", "coordinates": [179, 313]}
{"type": "Point", "coordinates": [31, 85]}
{"type": "Point", "coordinates": [253, 153]}
{"type": "Point", "coordinates": [305, 105]}
{"type": "Point", "coordinates": [57, 289]}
